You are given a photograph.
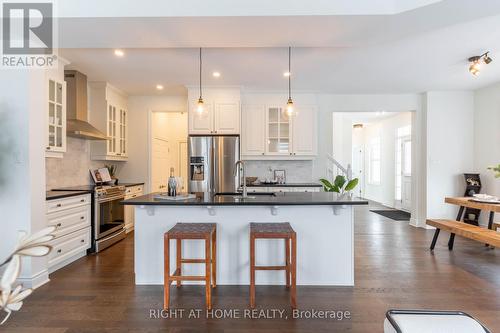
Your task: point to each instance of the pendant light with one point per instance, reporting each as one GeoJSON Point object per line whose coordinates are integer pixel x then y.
{"type": "Point", "coordinates": [200, 108]}
{"type": "Point", "coordinates": [289, 103]}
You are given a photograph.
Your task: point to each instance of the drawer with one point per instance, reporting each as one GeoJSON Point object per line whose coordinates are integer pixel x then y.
{"type": "Point", "coordinates": [132, 195]}
{"type": "Point", "coordinates": [134, 189]}
{"type": "Point", "coordinates": [67, 203]}
{"type": "Point", "coordinates": [70, 220]}
{"type": "Point", "coordinates": [67, 246]}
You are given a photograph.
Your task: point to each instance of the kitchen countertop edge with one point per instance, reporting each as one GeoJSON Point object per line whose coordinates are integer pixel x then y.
{"type": "Point", "coordinates": [53, 195]}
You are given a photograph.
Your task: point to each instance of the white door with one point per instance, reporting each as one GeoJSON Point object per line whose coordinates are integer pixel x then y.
{"type": "Point", "coordinates": [227, 118]}
{"type": "Point", "coordinates": [160, 165]}
{"type": "Point", "coordinates": [253, 131]}
{"type": "Point", "coordinates": [406, 174]}
{"type": "Point", "coordinates": [358, 169]}
{"type": "Point", "coordinates": [183, 165]}
{"type": "Point", "coordinates": [201, 122]}
{"type": "Point", "coordinates": [304, 131]}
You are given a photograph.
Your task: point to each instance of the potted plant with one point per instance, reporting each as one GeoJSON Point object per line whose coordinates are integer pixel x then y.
{"type": "Point", "coordinates": [496, 170]}
{"type": "Point", "coordinates": [339, 185]}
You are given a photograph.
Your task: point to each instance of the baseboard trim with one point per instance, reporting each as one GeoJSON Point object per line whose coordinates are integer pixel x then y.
{"type": "Point", "coordinates": [419, 223]}
{"type": "Point", "coordinates": [36, 280]}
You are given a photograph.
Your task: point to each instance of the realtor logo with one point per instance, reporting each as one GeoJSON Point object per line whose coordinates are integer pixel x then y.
{"type": "Point", "coordinates": [27, 34]}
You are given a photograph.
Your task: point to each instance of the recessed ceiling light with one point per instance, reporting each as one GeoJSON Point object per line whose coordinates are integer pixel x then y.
{"type": "Point", "coordinates": [287, 74]}
{"type": "Point", "coordinates": [159, 87]}
{"type": "Point", "coordinates": [119, 53]}
{"type": "Point", "coordinates": [216, 74]}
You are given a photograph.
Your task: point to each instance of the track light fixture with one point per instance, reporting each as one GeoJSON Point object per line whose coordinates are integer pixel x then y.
{"type": "Point", "coordinates": [475, 62]}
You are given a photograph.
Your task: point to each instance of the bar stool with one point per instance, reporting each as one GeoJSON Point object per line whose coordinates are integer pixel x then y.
{"type": "Point", "coordinates": [275, 231]}
{"type": "Point", "coordinates": [206, 231]}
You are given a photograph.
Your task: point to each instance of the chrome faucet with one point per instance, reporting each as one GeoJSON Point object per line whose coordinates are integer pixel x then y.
{"type": "Point", "coordinates": [242, 164]}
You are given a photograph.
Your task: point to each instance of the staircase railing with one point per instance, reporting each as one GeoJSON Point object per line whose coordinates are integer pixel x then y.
{"type": "Point", "coordinates": [335, 168]}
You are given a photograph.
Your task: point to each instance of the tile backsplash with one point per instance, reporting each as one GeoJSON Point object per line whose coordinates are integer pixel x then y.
{"type": "Point", "coordinates": [73, 168]}
{"type": "Point", "coordinates": [296, 171]}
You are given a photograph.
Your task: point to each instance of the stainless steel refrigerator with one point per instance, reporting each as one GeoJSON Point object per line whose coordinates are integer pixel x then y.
{"type": "Point", "coordinates": [212, 163]}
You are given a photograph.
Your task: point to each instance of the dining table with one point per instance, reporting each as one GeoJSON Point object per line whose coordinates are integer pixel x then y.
{"type": "Point", "coordinates": [471, 202]}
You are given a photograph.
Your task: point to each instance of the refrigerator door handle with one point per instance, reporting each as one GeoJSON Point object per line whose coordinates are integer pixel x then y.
{"type": "Point", "coordinates": [212, 168]}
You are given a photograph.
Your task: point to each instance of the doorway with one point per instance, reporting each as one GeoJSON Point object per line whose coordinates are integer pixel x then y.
{"type": "Point", "coordinates": [168, 148]}
{"type": "Point", "coordinates": [403, 191]}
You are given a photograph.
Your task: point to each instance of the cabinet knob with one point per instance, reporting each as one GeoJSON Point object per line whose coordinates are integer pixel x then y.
{"type": "Point", "coordinates": [83, 200]}
{"type": "Point", "coordinates": [59, 251]}
{"type": "Point", "coordinates": [82, 241]}
{"type": "Point", "coordinates": [262, 153]}
{"type": "Point", "coordinates": [58, 205]}
{"type": "Point", "coordinates": [82, 217]}
{"type": "Point", "coordinates": [59, 224]}
{"type": "Point", "coordinates": [48, 148]}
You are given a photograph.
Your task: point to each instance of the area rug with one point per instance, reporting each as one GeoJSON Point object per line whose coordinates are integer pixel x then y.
{"type": "Point", "coordinates": [393, 214]}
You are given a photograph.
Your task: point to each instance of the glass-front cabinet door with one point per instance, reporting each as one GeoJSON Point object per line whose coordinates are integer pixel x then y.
{"type": "Point", "coordinates": [123, 133]}
{"type": "Point", "coordinates": [112, 120]}
{"type": "Point", "coordinates": [278, 132]}
{"type": "Point", "coordinates": [56, 127]}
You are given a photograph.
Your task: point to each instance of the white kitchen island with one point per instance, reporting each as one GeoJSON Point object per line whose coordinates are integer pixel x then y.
{"type": "Point", "coordinates": [323, 223]}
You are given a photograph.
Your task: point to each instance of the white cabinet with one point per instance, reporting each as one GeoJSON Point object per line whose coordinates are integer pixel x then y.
{"type": "Point", "coordinates": [56, 118]}
{"type": "Point", "coordinates": [304, 130]}
{"type": "Point", "coordinates": [108, 113]}
{"type": "Point", "coordinates": [268, 133]}
{"type": "Point", "coordinates": [72, 218]}
{"type": "Point", "coordinates": [219, 117]}
{"type": "Point", "coordinates": [278, 127]}
{"type": "Point", "coordinates": [130, 193]}
{"type": "Point", "coordinates": [253, 130]}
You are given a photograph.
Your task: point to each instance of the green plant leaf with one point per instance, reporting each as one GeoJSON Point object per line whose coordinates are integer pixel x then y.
{"type": "Point", "coordinates": [326, 184]}
{"type": "Point", "coordinates": [339, 181]}
{"type": "Point", "coordinates": [352, 184]}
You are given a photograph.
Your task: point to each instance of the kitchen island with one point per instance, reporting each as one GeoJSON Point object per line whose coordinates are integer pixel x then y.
{"type": "Point", "coordinates": [323, 222]}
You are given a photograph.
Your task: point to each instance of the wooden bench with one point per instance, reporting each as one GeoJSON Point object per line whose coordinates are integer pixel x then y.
{"type": "Point", "coordinates": [473, 232]}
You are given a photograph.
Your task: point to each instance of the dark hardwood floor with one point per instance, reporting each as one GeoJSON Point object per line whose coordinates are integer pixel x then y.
{"type": "Point", "coordinates": [394, 269]}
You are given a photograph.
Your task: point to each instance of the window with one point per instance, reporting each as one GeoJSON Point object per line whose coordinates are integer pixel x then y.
{"type": "Point", "coordinates": [374, 162]}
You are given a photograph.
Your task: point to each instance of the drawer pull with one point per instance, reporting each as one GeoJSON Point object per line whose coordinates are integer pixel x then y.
{"type": "Point", "coordinates": [82, 217]}
{"type": "Point", "coordinates": [59, 251]}
{"type": "Point", "coordinates": [83, 200]}
{"type": "Point", "coordinates": [82, 241]}
{"type": "Point", "coordinates": [58, 205]}
{"type": "Point", "coordinates": [59, 224]}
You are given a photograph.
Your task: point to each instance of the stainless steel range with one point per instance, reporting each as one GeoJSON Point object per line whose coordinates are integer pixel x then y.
{"type": "Point", "coordinates": [109, 216]}
{"type": "Point", "coordinates": [108, 222]}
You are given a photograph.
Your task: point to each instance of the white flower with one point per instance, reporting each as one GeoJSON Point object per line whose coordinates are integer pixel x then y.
{"type": "Point", "coordinates": [35, 245]}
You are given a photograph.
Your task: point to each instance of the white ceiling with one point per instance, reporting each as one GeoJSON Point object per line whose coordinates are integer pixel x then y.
{"type": "Point", "coordinates": [414, 51]}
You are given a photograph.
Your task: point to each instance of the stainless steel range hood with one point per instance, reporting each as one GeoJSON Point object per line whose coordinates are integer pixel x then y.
{"type": "Point", "coordinates": [77, 124]}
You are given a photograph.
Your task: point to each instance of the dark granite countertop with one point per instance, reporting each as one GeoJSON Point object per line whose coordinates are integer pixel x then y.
{"type": "Point", "coordinates": [51, 195]}
{"type": "Point", "coordinates": [279, 199]}
{"type": "Point", "coordinates": [287, 185]}
{"type": "Point", "coordinates": [130, 184]}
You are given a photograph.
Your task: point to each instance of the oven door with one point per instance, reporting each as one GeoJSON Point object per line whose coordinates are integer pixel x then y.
{"type": "Point", "coordinates": [109, 216]}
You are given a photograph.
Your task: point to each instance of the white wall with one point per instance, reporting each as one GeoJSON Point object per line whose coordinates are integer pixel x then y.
{"type": "Point", "coordinates": [22, 164]}
{"type": "Point", "coordinates": [487, 138]}
{"type": "Point", "coordinates": [450, 148]}
{"type": "Point", "coordinates": [137, 169]}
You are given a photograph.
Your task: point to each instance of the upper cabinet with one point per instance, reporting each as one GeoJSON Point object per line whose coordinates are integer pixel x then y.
{"type": "Point", "coordinates": [56, 117]}
{"type": "Point", "coordinates": [269, 133]}
{"type": "Point", "coordinates": [55, 110]}
{"type": "Point", "coordinates": [253, 130]}
{"type": "Point", "coordinates": [221, 112]}
{"type": "Point", "coordinates": [108, 113]}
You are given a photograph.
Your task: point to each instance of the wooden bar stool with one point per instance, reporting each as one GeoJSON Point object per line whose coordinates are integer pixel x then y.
{"type": "Point", "coordinates": [206, 231]}
{"type": "Point", "coordinates": [275, 231]}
